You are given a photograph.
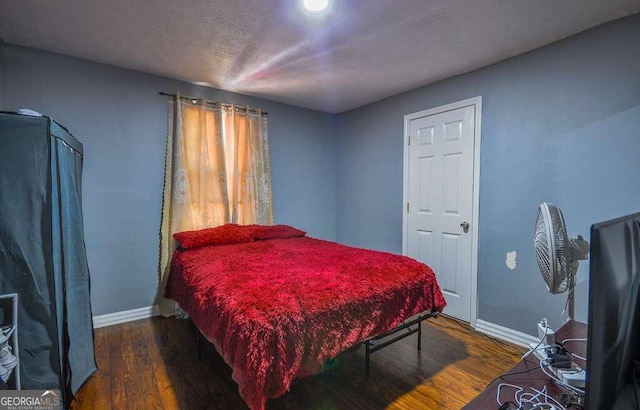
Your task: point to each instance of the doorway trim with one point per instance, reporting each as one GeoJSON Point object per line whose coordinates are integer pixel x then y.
{"type": "Point", "coordinates": [477, 103]}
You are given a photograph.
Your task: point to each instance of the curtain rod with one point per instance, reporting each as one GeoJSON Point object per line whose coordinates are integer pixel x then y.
{"type": "Point", "coordinates": [212, 102]}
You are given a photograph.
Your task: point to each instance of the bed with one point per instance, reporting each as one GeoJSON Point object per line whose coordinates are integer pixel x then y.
{"type": "Point", "coordinates": [277, 304]}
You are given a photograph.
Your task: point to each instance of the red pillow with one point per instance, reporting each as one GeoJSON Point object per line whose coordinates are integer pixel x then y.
{"type": "Point", "coordinates": [221, 235]}
{"type": "Point", "coordinates": [261, 232]}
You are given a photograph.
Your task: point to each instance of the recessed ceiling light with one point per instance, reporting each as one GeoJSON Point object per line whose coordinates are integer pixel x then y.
{"type": "Point", "coordinates": [316, 6]}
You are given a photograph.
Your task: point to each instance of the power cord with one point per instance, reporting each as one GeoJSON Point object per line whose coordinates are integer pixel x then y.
{"type": "Point", "coordinates": [546, 328]}
{"type": "Point", "coordinates": [503, 345]}
{"type": "Point", "coordinates": [562, 343]}
{"type": "Point", "coordinates": [524, 400]}
{"type": "Point", "coordinates": [505, 375]}
{"type": "Point", "coordinates": [566, 305]}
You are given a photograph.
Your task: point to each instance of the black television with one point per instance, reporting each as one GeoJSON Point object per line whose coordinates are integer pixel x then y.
{"type": "Point", "coordinates": [613, 343]}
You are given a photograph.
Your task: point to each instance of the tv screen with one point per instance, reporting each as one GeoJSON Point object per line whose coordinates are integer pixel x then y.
{"type": "Point", "coordinates": [614, 314]}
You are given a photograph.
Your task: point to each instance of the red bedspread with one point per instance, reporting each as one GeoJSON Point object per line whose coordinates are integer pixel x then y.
{"type": "Point", "coordinates": [277, 309]}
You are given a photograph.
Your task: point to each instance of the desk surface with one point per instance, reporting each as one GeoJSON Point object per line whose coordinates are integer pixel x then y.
{"type": "Point", "coordinates": [532, 375]}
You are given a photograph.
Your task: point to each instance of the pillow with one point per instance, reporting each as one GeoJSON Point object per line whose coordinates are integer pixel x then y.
{"type": "Point", "coordinates": [221, 235]}
{"type": "Point", "coordinates": [261, 232]}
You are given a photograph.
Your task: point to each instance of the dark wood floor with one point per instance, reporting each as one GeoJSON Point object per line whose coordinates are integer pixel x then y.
{"type": "Point", "coordinates": [153, 364]}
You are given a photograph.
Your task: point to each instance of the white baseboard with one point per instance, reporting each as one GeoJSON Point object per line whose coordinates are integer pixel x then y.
{"type": "Point", "coordinates": [116, 318]}
{"type": "Point", "coordinates": [504, 333]}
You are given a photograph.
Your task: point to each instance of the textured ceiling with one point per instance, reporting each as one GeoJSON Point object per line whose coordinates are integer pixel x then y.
{"type": "Point", "coordinates": [362, 51]}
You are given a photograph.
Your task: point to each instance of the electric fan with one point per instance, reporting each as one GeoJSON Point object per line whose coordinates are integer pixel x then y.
{"type": "Point", "coordinates": [556, 253]}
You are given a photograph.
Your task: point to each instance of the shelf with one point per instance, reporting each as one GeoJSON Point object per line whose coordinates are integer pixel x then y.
{"type": "Point", "coordinates": [10, 302]}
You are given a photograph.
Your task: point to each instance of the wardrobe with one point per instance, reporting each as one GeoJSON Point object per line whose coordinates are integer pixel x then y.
{"type": "Point", "coordinates": [42, 252]}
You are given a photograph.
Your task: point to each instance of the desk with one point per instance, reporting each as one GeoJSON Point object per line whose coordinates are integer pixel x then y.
{"type": "Point", "coordinates": [533, 376]}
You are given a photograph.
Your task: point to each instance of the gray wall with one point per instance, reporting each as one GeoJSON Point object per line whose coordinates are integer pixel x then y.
{"type": "Point", "coordinates": [559, 124]}
{"type": "Point", "coordinates": [121, 120]}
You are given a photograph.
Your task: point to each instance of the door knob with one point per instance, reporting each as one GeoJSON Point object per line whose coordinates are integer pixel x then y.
{"type": "Point", "coordinates": [465, 226]}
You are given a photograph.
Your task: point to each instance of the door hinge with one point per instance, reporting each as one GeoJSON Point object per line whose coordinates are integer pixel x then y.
{"type": "Point", "coordinates": [408, 139]}
{"type": "Point", "coordinates": [407, 206]}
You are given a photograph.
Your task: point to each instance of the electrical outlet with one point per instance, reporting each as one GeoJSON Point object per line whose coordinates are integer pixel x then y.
{"type": "Point", "coordinates": [547, 334]}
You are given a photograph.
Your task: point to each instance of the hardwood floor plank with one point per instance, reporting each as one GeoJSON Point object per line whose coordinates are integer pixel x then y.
{"type": "Point", "coordinates": [147, 383]}
{"type": "Point", "coordinates": [96, 393]}
{"type": "Point", "coordinates": [154, 363]}
{"type": "Point", "coordinates": [120, 365]}
{"type": "Point", "coordinates": [160, 372]}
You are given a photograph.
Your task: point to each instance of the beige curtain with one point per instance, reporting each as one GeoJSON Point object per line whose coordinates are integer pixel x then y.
{"type": "Point", "coordinates": [248, 166]}
{"type": "Point", "coordinates": [216, 171]}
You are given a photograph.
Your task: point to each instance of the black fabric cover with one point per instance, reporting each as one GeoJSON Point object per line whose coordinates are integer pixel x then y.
{"type": "Point", "coordinates": [42, 252]}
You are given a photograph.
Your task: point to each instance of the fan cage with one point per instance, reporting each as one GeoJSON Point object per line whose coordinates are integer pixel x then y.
{"type": "Point", "coordinates": [552, 248]}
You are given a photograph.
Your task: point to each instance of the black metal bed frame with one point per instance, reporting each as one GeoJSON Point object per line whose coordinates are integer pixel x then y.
{"type": "Point", "coordinates": [370, 344]}
{"type": "Point", "coordinates": [371, 347]}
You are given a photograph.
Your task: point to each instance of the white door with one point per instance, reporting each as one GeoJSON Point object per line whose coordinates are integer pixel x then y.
{"type": "Point", "coordinates": [439, 188]}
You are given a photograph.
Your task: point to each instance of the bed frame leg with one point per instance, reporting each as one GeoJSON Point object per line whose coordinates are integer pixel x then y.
{"type": "Point", "coordinates": [366, 360]}
{"type": "Point", "coordinates": [407, 327]}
